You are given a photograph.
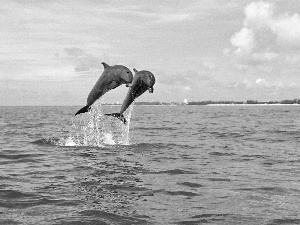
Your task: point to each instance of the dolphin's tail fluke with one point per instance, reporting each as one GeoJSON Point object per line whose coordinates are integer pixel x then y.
{"type": "Point", "coordinates": [118, 115]}
{"type": "Point", "coordinates": [83, 109]}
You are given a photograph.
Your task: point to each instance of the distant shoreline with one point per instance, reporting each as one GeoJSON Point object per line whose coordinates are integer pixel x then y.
{"type": "Point", "coordinates": [253, 104]}
{"type": "Point", "coordinates": [207, 105]}
{"type": "Point", "coordinates": [225, 103]}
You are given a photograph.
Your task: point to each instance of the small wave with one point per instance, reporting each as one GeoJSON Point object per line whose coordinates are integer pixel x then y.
{"type": "Point", "coordinates": [227, 134]}
{"type": "Point", "coordinates": [56, 141]}
{"type": "Point", "coordinates": [46, 141]}
{"type": "Point", "coordinates": [182, 193]}
{"type": "Point", "coordinates": [15, 157]}
{"type": "Point", "coordinates": [249, 158]}
{"type": "Point", "coordinates": [191, 185]}
{"type": "Point", "coordinates": [204, 219]}
{"type": "Point", "coordinates": [209, 215]}
{"type": "Point", "coordinates": [160, 145]}
{"type": "Point", "coordinates": [273, 162]}
{"type": "Point", "coordinates": [172, 193]}
{"type": "Point", "coordinates": [4, 178]}
{"type": "Point", "coordinates": [11, 194]}
{"type": "Point", "coordinates": [72, 141]}
{"type": "Point", "coordinates": [106, 139]}
{"type": "Point", "coordinates": [222, 154]}
{"type": "Point", "coordinates": [287, 132]}
{"type": "Point", "coordinates": [32, 202]}
{"type": "Point", "coordinates": [219, 179]}
{"type": "Point", "coordinates": [155, 128]}
{"type": "Point", "coordinates": [147, 145]}
{"type": "Point", "coordinates": [17, 199]}
{"type": "Point", "coordinates": [176, 172]}
{"type": "Point", "coordinates": [254, 156]}
{"type": "Point", "coordinates": [270, 190]}
{"type": "Point", "coordinates": [107, 218]}
{"type": "Point", "coordinates": [284, 221]}
{"type": "Point", "coordinates": [68, 142]}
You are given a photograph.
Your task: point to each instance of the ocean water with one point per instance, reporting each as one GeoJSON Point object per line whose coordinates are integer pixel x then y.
{"type": "Point", "coordinates": [168, 165]}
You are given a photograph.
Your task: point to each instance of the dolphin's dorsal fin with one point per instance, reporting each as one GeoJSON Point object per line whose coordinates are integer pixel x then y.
{"type": "Point", "coordinates": [105, 65]}
{"type": "Point", "coordinates": [135, 71]}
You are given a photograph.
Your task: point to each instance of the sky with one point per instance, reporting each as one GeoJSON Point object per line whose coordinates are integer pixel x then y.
{"type": "Point", "coordinates": [51, 51]}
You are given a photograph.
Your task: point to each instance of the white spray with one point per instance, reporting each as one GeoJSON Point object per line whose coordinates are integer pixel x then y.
{"type": "Point", "coordinates": [97, 130]}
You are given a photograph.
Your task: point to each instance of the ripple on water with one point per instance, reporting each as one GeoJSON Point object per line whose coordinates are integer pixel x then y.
{"type": "Point", "coordinates": [177, 193]}
{"type": "Point", "coordinates": [176, 172]}
{"type": "Point", "coordinates": [286, 221]}
{"type": "Point", "coordinates": [192, 185]}
{"type": "Point", "coordinates": [266, 190]}
{"type": "Point", "coordinates": [19, 200]}
{"type": "Point", "coordinates": [46, 141]}
{"type": "Point", "coordinates": [204, 219]}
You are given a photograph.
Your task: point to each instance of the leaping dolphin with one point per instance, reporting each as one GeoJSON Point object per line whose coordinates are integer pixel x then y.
{"type": "Point", "coordinates": [112, 77]}
{"type": "Point", "coordinates": [142, 81]}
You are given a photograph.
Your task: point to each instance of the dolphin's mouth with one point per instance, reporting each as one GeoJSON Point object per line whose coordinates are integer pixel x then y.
{"type": "Point", "coordinates": [150, 89]}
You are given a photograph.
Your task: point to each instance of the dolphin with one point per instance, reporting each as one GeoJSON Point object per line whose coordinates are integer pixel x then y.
{"type": "Point", "coordinates": [112, 77]}
{"type": "Point", "coordinates": [142, 81]}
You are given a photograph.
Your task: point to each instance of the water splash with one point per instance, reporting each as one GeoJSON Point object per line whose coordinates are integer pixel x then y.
{"type": "Point", "coordinates": [125, 132]}
{"type": "Point", "coordinates": [97, 130]}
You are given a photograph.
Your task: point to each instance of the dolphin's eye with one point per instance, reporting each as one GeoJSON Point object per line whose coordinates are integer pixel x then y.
{"type": "Point", "coordinates": [127, 71]}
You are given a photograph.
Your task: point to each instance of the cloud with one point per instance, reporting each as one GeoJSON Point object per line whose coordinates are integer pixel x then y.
{"type": "Point", "coordinates": [244, 40]}
{"type": "Point", "coordinates": [287, 29]}
{"type": "Point", "coordinates": [186, 78]}
{"type": "Point", "coordinates": [260, 81]}
{"type": "Point", "coordinates": [76, 52]}
{"type": "Point", "coordinates": [174, 18]}
{"type": "Point", "coordinates": [264, 83]}
{"type": "Point", "coordinates": [209, 65]}
{"type": "Point", "coordinates": [265, 36]}
{"type": "Point", "coordinates": [84, 62]}
{"type": "Point", "coordinates": [156, 12]}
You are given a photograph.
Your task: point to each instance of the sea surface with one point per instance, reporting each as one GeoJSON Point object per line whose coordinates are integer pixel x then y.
{"type": "Point", "coordinates": [168, 165]}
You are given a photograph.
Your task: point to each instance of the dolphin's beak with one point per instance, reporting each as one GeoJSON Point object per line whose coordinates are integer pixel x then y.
{"type": "Point", "coordinates": [150, 89]}
{"type": "Point", "coordinates": [128, 84]}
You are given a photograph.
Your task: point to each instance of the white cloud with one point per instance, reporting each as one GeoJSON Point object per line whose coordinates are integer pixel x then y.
{"type": "Point", "coordinates": [292, 59]}
{"type": "Point", "coordinates": [187, 88]}
{"type": "Point", "coordinates": [226, 51]}
{"type": "Point", "coordinates": [287, 29]}
{"type": "Point", "coordinates": [258, 14]}
{"type": "Point", "coordinates": [244, 40]}
{"type": "Point", "coordinates": [260, 81]}
{"type": "Point", "coordinates": [264, 56]}
{"type": "Point", "coordinates": [84, 62]}
{"type": "Point", "coordinates": [265, 35]}
{"type": "Point", "coordinates": [247, 83]}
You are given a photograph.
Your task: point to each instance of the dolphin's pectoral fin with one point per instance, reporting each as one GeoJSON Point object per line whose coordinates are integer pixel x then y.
{"type": "Point", "coordinates": [140, 91]}
{"type": "Point", "coordinates": [134, 95]}
{"type": "Point", "coordinates": [112, 85]}
{"type": "Point", "coordinates": [83, 109]}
